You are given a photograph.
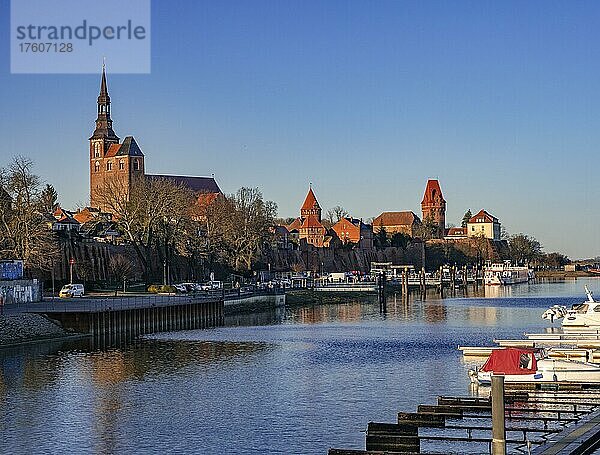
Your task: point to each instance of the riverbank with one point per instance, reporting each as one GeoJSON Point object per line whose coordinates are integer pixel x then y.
{"type": "Point", "coordinates": [558, 274]}
{"type": "Point", "coordinates": [301, 297]}
{"type": "Point", "coordinates": [24, 328]}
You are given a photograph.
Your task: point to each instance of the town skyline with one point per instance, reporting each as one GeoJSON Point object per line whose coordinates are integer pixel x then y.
{"type": "Point", "coordinates": [516, 140]}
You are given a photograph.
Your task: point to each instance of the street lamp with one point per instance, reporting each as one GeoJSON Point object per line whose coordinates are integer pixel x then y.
{"type": "Point", "coordinates": [52, 262]}
{"type": "Point", "coordinates": [71, 264]}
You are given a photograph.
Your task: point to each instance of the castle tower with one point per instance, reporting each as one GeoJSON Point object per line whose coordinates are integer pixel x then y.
{"type": "Point", "coordinates": [433, 206]}
{"type": "Point", "coordinates": [109, 159]}
{"type": "Point", "coordinates": [310, 206]}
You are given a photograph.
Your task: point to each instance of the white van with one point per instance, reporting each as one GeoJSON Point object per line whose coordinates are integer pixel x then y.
{"type": "Point", "coordinates": [71, 290]}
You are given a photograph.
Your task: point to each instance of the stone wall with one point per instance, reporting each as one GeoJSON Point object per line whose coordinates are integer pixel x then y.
{"type": "Point", "coordinates": [342, 259]}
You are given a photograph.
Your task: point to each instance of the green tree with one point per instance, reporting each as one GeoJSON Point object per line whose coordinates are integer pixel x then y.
{"type": "Point", "coordinates": [48, 199]}
{"type": "Point", "coordinates": [466, 217]}
{"type": "Point", "coordinates": [524, 249]}
{"type": "Point", "coordinates": [400, 240]}
{"type": "Point", "coordinates": [555, 260]}
{"type": "Point", "coordinates": [381, 237]}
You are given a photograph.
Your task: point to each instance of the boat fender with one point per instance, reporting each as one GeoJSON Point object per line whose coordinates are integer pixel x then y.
{"type": "Point", "coordinates": [554, 377]}
{"type": "Point", "coordinates": [538, 376]}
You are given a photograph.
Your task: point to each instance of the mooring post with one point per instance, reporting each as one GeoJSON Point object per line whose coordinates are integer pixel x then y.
{"type": "Point", "coordinates": [498, 423]}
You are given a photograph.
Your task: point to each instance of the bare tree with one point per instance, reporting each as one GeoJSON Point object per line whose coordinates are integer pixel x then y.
{"type": "Point", "coordinates": [84, 270]}
{"type": "Point", "coordinates": [120, 268]}
{"type": "Point", "coordinates": [24, 232]}
{"type": "Point", "coordinates": [152, 215]}
{"type": "Point", "coordinates": [336, 214]}
{"type": "Point", "coordinates": [239, 225]}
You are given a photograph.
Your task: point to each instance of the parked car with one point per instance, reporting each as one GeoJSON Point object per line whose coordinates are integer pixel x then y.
{"type": "Point", "coordinates": [71, 290]}
{"type": "Point", "coordinates": [212, 285]}
{"type": "Point", "coordinates": [181, 288]}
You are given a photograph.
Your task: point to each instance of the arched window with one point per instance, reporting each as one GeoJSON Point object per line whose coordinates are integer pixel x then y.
{"type": "Point", "coordinates": [136, 165]}
{"type": "Point", "coordinates": [97, 149]}
{"type": "Point", "coordinates": [97, 166]}
{"type": "Point", "coordinates": [109, 165]}
{"type": "Point", "coordinates": [121, 165]}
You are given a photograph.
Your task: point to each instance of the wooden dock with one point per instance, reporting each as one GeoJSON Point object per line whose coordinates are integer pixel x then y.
{"type": "Point", "coordinates": [551, 421]}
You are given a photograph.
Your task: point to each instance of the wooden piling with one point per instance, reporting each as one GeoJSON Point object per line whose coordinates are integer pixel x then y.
{"type": "Point", "coordinates": [498, 418]}
{"type": "Point", "coordinates": [392, 437]}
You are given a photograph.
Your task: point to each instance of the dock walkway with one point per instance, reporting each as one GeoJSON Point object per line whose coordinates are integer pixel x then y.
{"type": "Point", "coordinates": [556, 420]}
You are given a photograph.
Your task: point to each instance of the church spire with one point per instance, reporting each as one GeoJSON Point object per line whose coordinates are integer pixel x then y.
{"type": "Point", "coordinates": [103, 121]}
{"type": "Point", "coordinates": [103, 87]}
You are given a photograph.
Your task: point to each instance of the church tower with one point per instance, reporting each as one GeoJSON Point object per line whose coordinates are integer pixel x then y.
{"type": "Point", "coordinates": [108, 158]}
{"type": "Point", "coordinates": [433, 206]}
{"type": "Point", "coordinates": [310, 206]}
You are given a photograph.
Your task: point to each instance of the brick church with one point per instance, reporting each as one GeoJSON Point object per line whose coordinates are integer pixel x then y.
{"type": "Point", "coordinates": [110, 158]}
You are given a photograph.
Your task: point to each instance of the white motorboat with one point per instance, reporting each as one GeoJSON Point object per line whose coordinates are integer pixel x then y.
{"type": "Point", "coordinates": [531, 366]}
{"type": "Point", "coordinates": [586, 314]}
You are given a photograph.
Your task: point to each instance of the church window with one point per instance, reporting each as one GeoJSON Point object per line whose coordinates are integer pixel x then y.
{"type": "Point", "coordinates": [136, 165]}
{"type": "Point", "coordinates": [109, 166]}
{"type": "Point", "coordinates": [96, 166]}
{"type": "Point", "coordinates": [96, 149]}
{"type": "Point", "coordinates": [121, 165]}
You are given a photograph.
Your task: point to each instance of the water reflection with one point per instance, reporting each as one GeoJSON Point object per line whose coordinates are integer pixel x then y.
{"type": "Point", "coordinates": [271, 382]}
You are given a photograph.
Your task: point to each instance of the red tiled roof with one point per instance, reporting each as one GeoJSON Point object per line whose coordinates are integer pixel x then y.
{"type": "Point", "coordinates": [295, 225]}
{"type": "Point", "coordinates": [483, 215]}
{"type": "Point", "coordinates": [84, 216]}
{"type": "Point", "coordinates": [396, 219]}
{"type": "Point", "coordinates": [457, 231]}
{"type": "Point", "coordinates": [433, 192]}
{"type": "Point", "coordinates": [113, 150]}
{"type": "Point", "coordinates": [311, 201]}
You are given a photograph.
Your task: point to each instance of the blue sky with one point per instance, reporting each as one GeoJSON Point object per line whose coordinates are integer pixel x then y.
{"type": "Point", "coordinates": [367, 100]}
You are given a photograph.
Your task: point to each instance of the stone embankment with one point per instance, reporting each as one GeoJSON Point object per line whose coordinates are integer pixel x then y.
{"type": "Point", "coordinates": [21, 328]}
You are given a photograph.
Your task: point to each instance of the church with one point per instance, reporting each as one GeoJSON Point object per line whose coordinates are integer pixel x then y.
{"type": "Point", "coordinates": [110, 158]}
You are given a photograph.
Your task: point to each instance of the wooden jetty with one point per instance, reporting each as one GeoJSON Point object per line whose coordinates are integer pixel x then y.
{"type": "Point", "coordinates": [552, 421]}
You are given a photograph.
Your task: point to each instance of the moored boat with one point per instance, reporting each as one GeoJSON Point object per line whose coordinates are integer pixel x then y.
{"type": "Point", "coordinates": [506, 274]}
{"type": "Point", "coordinates": [581, 315]}
{"type": "Point", "coordinates": [531, 366]}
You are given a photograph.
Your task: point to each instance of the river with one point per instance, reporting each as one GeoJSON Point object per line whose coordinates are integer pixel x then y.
{"type": "Point", "coordinates": [296, 381]}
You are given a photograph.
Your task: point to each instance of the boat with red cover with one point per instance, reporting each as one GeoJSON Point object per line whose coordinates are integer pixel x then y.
{"type": "Point", "coordinates": [531, 366]}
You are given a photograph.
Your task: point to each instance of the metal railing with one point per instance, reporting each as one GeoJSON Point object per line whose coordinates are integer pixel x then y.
{"type": "Point", "coordinates": [131, 302]}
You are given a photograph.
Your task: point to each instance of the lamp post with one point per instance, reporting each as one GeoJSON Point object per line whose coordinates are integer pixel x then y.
{"type": "Point", "coordinates": [52, 262]}
{"type": "Point", "coordinates": [71, 264]}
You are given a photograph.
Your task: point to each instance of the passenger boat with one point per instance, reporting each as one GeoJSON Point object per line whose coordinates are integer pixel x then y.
{"type": "Point", "coordinates": [506, 274]}
{"type": "Point", "coordinates": [531, 366]}
{"type": "Point", "coordinates": [586, 314]}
